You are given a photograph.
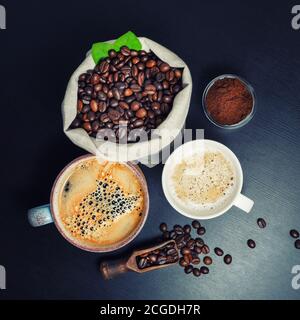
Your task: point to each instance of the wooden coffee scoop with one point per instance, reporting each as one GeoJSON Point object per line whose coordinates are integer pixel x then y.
{"type": "Point", "coordinates": [113, 268]}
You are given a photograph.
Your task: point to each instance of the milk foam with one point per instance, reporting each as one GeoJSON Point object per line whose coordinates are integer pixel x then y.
{"type": "Point", "coordinates": [202, 182]}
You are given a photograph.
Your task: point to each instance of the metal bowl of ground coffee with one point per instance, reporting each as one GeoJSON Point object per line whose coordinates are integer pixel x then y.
{"type": "Point", "coordinates": [229, 101]}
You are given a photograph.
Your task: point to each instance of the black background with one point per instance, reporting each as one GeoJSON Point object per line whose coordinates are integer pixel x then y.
{"type": "Point", "coordinates": [43, 44]}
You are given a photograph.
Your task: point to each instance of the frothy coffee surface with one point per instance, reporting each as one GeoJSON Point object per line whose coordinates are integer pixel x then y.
{"type": "Point", "coordinates": [203, 180]}
{"type": "Point", "coordinates": [100, 204]}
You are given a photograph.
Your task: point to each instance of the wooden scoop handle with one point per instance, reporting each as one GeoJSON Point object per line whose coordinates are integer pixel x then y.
{"type": "Point", "coordinates": [111, 269]}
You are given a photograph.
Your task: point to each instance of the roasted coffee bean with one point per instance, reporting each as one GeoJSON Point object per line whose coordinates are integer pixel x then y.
{"type": "Point", "coordinates": [128, 92]}
{"type": "Point", "coordinates": [195, 260]}
{"type": "Point", "coordinates": [166, 235]}
{"type": "Point", "coordinates": [261, 223]}
{"type": "Point", "coordinates": [199, 242]}
{"type": "Point", "coordinates": [87, 126]}
{"type": "Point", "coordinates": [251, 243]}
{"type": "Point", "coordinates": [79, 105]}
{"type": "Point", "coordinates": [135, 105]}
{"type": "Point", "coordinates": [227, 259]}
{"type": "Point", "coordinates": [197, 249]}
{"type": "Point", "coordinates": [164, 67]}
{"type": "Point", "coordinates": [183, 262]}
{"type": "Point", "coordinates": [85, 109]}
{"type": "Point", "coordinates": [294, 233]}
{"type": "Point", "coordinates": [104, 118]}
{"type": "Point", "coordinates": [94, 105]}
{"type": "Point", "coordinates": [178, 229]}
{"type": "Point", "coordinates": [150, 89]}
{"type": "Point", "coordinates": [95, 126]}
{"type": "Point", "coordinates": [196, 224]}
{"type": "Point", "coordinates": [297, 244]}
{"type": "Point", "coordinates": [218, 251]}
{"type": "Point", "coordinates": [116, 94]}
{"type": "Point", "coordinates": [141, 113]}
{"type": "Point", "coordinates": [185, 251]}
{"type": "Point", "coordinates": [152, 257]}
{"type": "Point", "coordinates": [172, 235]}
{"type": "Point", "coordinates": [205, 249]}
{"type": "Point", "coordinates": [112, 53]}
{"type": "Point", "coordinates": [171, 252]}
{"type": "Point", "coordinates": [187, 228]}
{"type": "Point", "coordinates": [207, 260]}
{"type": "Point", "coordinates": [187, 237]}
{"type": "Point", "coordinates": [123, 105]}
{"type": "Point", "coordinates": [125, 51]}
{"type": "Point", "coordinates": [135, 87]}
{"type": "Point", "coordinates": [102, 96]}
{"type": "Point", "coordinates": [204, 270]}
{"type": "Point", "coordinates": [91, 116]}
{"type": "Point", "coordinates": [201, 231]}
{"type": "Point", "coordinates": [196, 272]}
{"type": "Point", "coordinates": [190, 243]}
{"type": "Point", "coordinates": [188, 269]}
{"type": "Point", "coordinates": [142, 263]}
{"type": "Point", "coordinates": [163, 227]}
{"type": "Point", "coordinates": [138, 123]}
{"type": "Point", "coordinates": [102, 106]}
{"type": "Point", "coordinates": [75, 124]}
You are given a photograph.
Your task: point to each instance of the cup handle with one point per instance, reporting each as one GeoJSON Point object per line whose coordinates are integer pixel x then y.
{"type": "Point", "coordinates": [243, 203]}
{"type": "Point", "coordinates": [39, 216]}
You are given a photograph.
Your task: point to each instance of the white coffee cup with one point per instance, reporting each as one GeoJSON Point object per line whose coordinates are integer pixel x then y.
{"type": "Point", "coordinates": [236, 198]}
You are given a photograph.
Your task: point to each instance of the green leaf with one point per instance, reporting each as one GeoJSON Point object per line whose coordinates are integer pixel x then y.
{"type": "Point", "coordinates": [129, 39]}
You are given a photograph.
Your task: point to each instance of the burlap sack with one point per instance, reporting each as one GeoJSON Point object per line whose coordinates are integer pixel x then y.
{"type": "Point", "coordinates": [140, 151]}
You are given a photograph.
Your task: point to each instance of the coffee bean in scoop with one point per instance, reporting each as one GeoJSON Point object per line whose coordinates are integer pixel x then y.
{"type": "Point", "coordinates": [297, 244]}
{"type": "Point", "coordinates": [294, 233]}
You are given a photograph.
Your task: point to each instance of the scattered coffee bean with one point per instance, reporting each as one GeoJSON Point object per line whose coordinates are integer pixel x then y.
{"type": "Point", "coordinates": [187, 228]}
{"type": "Point", "coordinates": [261, 223]}
{"type": "Point", "coordinates": [218, 251]}
{"type": "Point", "coordinates": [201, 231]}
{"type": "Point", "coordinates": [163, 227]}
{"type": "Point", "coordinates": [228, 259]}
{"type": "Point", "coordinates": [297, 244]}
{"type": "Point", "coordinates": [127, 79]}
{"type": "Point", "coordinates": [294, 234]}
{"type": "Point", "coordinates": [204, 270]}
{"type": "Point", "coordinates": [205, 249]}
{"type": "Point", "coordinates": [207, 260]}
{"type": "Point", "coordinates": [196, 272]}
{"type": "Point", "coordinates": [196, 224]}
{"type": "Point", "coordinates": [188, 269]}
{"type": "Point", "coordinates": [251, 243]}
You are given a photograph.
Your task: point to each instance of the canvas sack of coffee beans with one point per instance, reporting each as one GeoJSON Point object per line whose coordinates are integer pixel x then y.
{"type": "Point", "coordinates": [130, 102]}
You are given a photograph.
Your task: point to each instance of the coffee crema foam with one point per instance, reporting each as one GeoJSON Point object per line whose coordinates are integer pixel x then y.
{"type": "Point", "coordinates": [100, 204]}
{"type": "Point", "coordinates": [203, 181]}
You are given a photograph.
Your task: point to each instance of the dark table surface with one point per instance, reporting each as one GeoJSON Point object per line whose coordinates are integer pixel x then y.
{"type": "Point", "coordinates": [46, 40]}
